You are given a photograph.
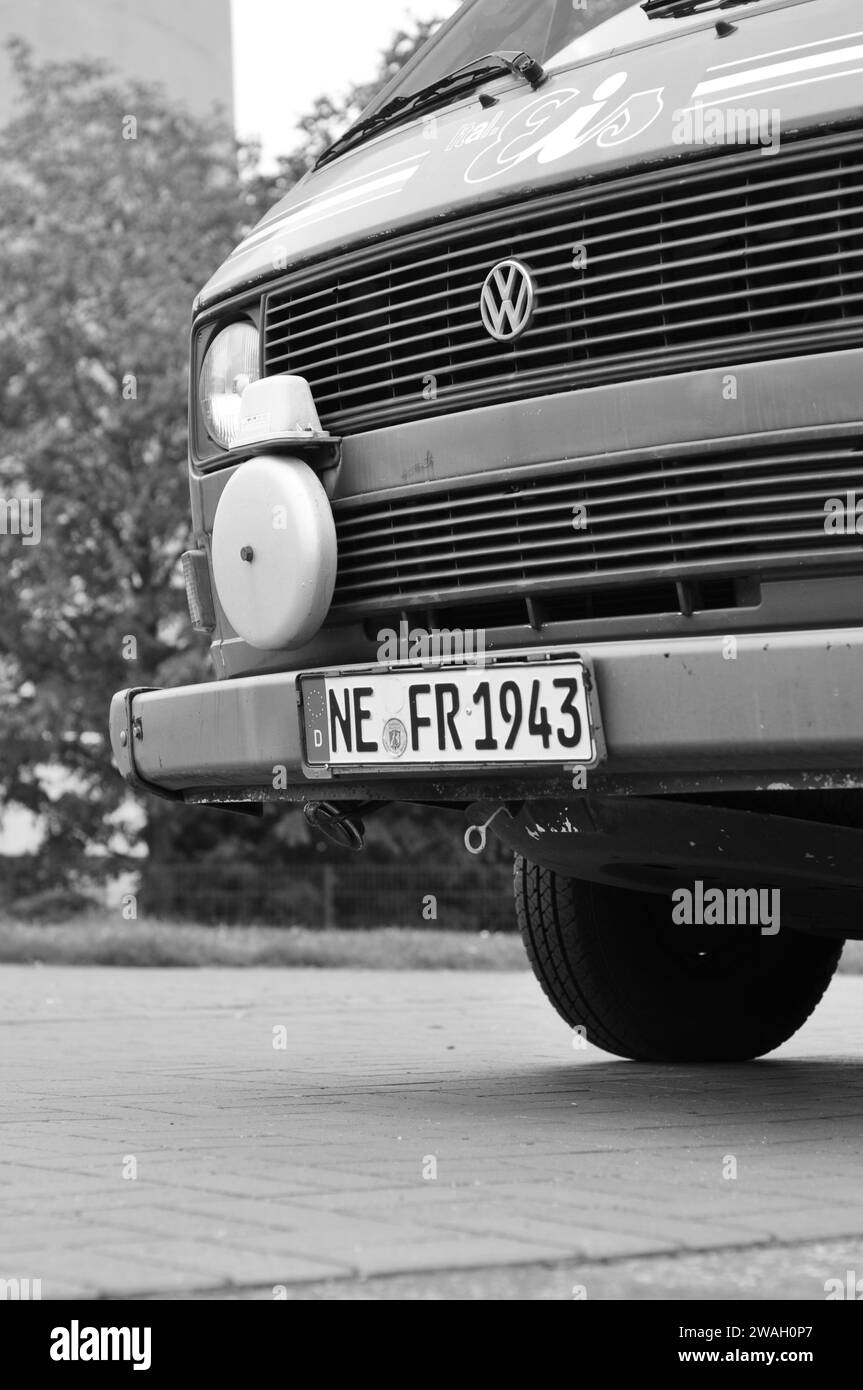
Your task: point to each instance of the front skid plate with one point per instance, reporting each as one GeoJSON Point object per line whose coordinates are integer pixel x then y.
{"type": "Point", "coordinates": [659, 845]}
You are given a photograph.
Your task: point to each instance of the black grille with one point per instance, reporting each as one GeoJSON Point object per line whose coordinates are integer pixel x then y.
{"type": "Point", "coordinates": [743, 511]}
{"type": "Point", "coordinates": [726, 257]}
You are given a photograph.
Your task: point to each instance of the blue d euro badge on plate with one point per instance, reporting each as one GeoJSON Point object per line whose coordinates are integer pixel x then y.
{"type": "Point", "coordinates": [315, 720]}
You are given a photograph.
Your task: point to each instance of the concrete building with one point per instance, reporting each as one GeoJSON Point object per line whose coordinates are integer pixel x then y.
{"type": "Point", "coordinates": [185, 46]}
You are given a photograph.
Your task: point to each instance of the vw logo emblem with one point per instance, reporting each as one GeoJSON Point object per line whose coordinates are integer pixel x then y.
{"type": "Point", "coordinates": [507, 300]}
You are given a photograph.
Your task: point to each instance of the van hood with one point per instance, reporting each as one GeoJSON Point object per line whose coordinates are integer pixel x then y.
{"type": "Point", "coordinates": [797, 66]}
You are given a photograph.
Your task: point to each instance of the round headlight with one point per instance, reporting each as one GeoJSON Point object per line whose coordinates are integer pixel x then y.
{"type": "Point", "coordinates": [230, 363]}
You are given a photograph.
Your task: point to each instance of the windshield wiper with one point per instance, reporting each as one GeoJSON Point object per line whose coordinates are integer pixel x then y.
{"type": "Point", "coordinates": [680, 9]}
{"type": "Point", "coordinates": [443, 89]}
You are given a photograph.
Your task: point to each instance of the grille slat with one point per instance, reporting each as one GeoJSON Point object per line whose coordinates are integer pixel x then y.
{"type": "Point", "coordinates": [847, 477]}
{"type": "Point", "coordinates": [723, 255]}
{"type": "Point", "coordinates": [742, 511]}
{"type": "Point", "coordinates": [369, 514]}
{"type": "Point", "coordinates": [608, 545]}
{"type": "Point", "coordinates": [641, 212]}
{"type": "Point", "coordinates": [566, 572]}
{"type": "Point", "coordinates": [541, 351]}
{"type": "Point", "coordinates": [764, 248]}
{"type": "Point", "coordinates": [358, 555]}
{"type": "Point", "coordinates": [570, 572]}
{"type": "Point", "coordinates": [551, 310]}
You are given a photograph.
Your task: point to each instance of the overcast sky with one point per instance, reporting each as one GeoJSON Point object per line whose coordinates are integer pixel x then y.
{"type": "Point", "coordinates": [287, 52]}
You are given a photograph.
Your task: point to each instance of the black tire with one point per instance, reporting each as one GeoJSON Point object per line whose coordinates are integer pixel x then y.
{"type": "Point", "coordinates": [612, 961]}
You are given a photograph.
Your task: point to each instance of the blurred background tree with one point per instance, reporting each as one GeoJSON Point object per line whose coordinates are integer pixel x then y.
{"type": "Point", "coordinates": [111, 212]}
{"type": "Point", "coordinates": [330, 116]}
{"type": "Point", "coordinates": [116, 205]}
{"type": "Point", "coordinates": [115, 209]}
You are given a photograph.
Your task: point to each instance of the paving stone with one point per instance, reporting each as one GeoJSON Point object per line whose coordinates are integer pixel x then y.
{"type": "Point", "coordinates": [368, 1148]}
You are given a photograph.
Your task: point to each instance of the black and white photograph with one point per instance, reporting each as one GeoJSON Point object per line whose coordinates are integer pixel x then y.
{"type": "Point", "coordinates": [431, 671]}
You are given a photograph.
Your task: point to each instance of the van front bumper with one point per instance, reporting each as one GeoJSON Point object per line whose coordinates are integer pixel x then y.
{"type": "Point", "coordinates": [774, 710]}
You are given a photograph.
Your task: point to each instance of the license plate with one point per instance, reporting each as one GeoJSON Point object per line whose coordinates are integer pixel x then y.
{"type": "Point", "coordinates": [461, 715]}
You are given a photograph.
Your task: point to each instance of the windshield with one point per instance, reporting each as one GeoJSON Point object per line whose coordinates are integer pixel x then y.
{"type": "Point", "coordinates": [556, 32]}
{"type": "Point", "coordinates": [542, 28]}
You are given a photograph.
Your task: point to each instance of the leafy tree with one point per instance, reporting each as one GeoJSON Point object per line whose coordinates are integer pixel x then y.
{"type": "Point", "coordinates": [116, 206]}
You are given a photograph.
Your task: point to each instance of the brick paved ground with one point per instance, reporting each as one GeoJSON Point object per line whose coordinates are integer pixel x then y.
{"type": "Point", "coordinates": [312, 1165]}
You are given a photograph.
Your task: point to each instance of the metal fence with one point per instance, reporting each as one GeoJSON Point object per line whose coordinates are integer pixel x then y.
{"type": "Point", "coordinates": [331, 895]}
{"type": "Point", "coordinates": [457, 895]}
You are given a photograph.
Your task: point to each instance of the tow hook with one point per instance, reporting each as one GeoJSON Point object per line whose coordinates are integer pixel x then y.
{"type": "Point", "coordinates": [341, 824]}
{"type": "Point", "coordinates": [477, 833]}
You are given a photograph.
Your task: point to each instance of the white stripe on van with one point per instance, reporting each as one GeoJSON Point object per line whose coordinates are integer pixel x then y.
{"type": "Point", "coordinates": [334, 201]}
{"type": "Point", "coordinates": [766, 74]}
{"type": "Point", "coordinates": [781, 87]}
{"type": "Point", "coordinates": [779, 52]}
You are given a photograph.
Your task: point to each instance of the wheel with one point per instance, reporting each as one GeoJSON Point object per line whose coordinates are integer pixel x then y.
{"type": "Point", "coordinates": [613, 961]}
